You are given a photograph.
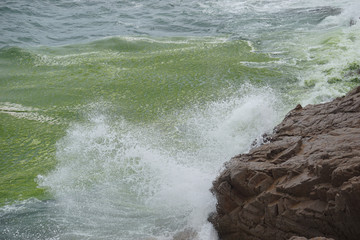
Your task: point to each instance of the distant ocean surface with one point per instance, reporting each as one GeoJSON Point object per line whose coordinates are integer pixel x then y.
{"type": "Point", "coordinates": [116, 116]}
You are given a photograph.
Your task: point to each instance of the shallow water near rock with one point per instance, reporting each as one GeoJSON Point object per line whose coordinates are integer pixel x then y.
{"type": "Point", "coordinates": [116, 116]}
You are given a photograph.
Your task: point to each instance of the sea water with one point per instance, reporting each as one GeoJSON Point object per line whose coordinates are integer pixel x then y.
{"type": "Point", "coordinates": [116, 116]}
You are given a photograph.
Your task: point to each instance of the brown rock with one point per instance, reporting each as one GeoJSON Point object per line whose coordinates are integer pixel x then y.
{"type": "Point", "coordinates": [304, 181]}
{"type": "Point", "coordinates": [304, 238]}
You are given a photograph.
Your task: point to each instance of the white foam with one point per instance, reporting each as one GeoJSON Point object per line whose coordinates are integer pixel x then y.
{"type": "Point", "coordinates": [113, 173]}
{"type": "Point", "coordinates": [24, 112]}
{"type": "Point", "coordinates": [328, 54]}
{"type": "Point", "coordinates": [273, 6]}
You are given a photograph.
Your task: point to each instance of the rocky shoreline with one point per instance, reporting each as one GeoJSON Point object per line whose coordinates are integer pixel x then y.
{"type": "Point", "coordinates": [303, 182]}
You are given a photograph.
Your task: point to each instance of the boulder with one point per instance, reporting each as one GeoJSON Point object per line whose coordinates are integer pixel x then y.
{"type": "Point", "coordinates": [302, 183]}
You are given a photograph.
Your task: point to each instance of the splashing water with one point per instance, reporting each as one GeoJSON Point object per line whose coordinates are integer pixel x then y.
{"type": "Point", "coordinates": [147, 188]}
{"type": "Point", "coordinates": [116, 116]}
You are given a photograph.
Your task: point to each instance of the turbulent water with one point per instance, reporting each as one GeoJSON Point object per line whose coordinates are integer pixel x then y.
{"type": "Point", "coordinates": [116, 115]}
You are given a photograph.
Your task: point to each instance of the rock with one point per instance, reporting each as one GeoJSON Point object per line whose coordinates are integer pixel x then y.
{"type": "Point", "coordinates": [303, 181]}
{"type": "Point", "coordinates": [315, 238]}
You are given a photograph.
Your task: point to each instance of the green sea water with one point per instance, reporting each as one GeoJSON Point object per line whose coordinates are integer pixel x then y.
{"type": "Point", "coordinates": [140, 79]}
{"type": "Point", "coordinates": [117, 132]}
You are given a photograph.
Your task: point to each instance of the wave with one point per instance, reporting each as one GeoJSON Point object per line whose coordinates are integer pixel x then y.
{"type": "Point", "coordinates": [124, 134]}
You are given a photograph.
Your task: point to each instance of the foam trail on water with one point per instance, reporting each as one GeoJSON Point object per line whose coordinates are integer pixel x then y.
{"type": "Point", "coordinates": [23, 112]}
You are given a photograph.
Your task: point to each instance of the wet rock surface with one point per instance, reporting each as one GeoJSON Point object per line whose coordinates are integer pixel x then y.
{"type": "Point", "coordinates": [303, 183]}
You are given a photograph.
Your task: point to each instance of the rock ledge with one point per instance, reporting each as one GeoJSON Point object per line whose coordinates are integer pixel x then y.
{"type": "Point", "coordinates": [304, 182]}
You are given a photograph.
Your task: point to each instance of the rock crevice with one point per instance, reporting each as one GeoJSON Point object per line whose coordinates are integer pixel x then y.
{"type": "Point", "coordinates": [303, 182]}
